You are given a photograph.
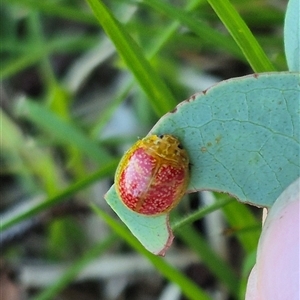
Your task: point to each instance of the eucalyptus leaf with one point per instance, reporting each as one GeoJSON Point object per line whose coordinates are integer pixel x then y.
{"type": "Point", "coordinates": [292, 35]}
{"type": "Point", "coordinates": [153, 232]}
{"type": "Point", "coordinates": [242, 136]}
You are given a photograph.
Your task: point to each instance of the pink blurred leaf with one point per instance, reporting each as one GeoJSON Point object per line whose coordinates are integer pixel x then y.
{"type": "Point", "coordinates": [276, 273]}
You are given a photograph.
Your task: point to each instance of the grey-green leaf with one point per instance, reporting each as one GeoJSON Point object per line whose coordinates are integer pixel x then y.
{"type": "Point", "coordinates": [242, 136]}
{"type": "Point", "coordinates": [292, 35]}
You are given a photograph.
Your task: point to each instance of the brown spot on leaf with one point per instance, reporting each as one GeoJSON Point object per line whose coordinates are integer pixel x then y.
{"type": "Point", "coordinates": [192, 98]}
{"type": "Point", "coordinates": [218, 139]}
{"type": "Point", "coordinates": [174, 110]}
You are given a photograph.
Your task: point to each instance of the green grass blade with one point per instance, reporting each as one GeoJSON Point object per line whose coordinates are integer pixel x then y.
{"type": "Point", "coordinates": [240, 218]}
{"type": "Point", "coordinates": [217, 266]}
{"type": "Point", "coordinates": [107, 113]}
{"type": "Point", "coordinates": [167, 33]}
{"type": "Point", "coordinates": [62, 131]}
{"type": "Point", "coordinates": [52, 8]}
{"type": "Point", "coordinates": [95, 252]}
{"type": "Point", "coordinates": [162, 39]}
{"type": "Point", "coordinates": [159, 95]}
{"type": "Point", "coordinates": [27, 160]}
{"type": "Point", "coordinates": [29, 53]}
{"type": "Point", "coordinates": [253, 52]}
{"type": "Point", "coordinates": [205, 32]}
{"type": "Point", "coordinates": [201, 213]}
{"type": "Point", "coordinates": [16, 65]}
{"type": "Point", "coordinates": [194, 240]}
{"type": "Point", "coordinates": [188, 288]}
{"type": "Point", "coordinates": [51, 201]}
{"type": "Point", "coordinates": [57, 43]}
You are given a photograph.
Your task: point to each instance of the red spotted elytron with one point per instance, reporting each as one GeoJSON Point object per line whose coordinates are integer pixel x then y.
{"type": "Point", "coordinates": [153, 175]}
